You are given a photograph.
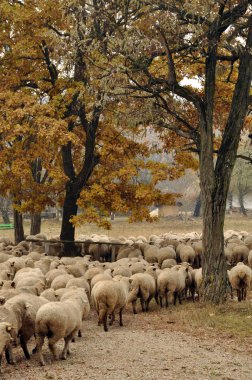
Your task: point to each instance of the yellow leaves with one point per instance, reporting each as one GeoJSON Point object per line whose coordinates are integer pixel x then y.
{"type": "Point", "coordinates": [159, 67]}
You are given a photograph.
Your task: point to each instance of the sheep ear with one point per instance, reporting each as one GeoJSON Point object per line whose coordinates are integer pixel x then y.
{"type": "Point", "coordinates": [2, 300]}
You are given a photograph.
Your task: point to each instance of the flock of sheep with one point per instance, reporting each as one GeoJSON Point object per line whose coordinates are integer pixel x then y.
{"type": "Point", "coordinates": [47, 297]}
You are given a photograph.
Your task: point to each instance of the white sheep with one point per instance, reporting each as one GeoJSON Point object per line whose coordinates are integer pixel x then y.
{"type": "Point", "coordinates": [186, 253]}
{"type": "Point", "coordinates": [240, 279]}
{"type": "Point", "coordinates": [250, 259]}
{"type": "Point", "coordinates": [143, 286]}
{"type": "Point", "coordinates": [61, 281]}
{"type": "Point", "coordinates": [57, 320]}
{"type": "Point", "coordinates": [171, 283]}
{"type": "Point", "coordinates": [5, 341]}
{"type": "Point", "coordinates": [20, 312]}
{"type": "Point", "coordinates": [108, 296]}
{"type": "Point", "coordinates": [166, 253]}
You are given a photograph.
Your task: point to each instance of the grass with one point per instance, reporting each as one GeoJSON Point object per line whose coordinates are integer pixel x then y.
{"type": "Point", "coordinates": [232, 318]}
{"type": "Point", "coordinates": [120, 226]}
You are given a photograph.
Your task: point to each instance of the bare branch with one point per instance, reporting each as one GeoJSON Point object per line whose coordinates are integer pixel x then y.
{"type": "Point", "coordinates": [172, 79]}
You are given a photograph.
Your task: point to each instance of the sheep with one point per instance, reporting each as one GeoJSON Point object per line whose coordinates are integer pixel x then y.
{"type": "Point", "coordinates": [138, 267]}
{"type": "Point", "coordinates": [143, 286]}
{"type": "Point", "coordinates": [53, 273]}
{"type": "Point", "coordinates": [240, 279]}
{"type": "Point", "coordinates": [151, 253]}
{"type": "Point", "coordinates": [6, 332]}
{"type": "Point", "coordinates": [91, 272]}
{"type": "Point", "coordinates": [100, 277]}
{"type": "Point", "coordinates": [20, 311]}
{"type": "Point", "coordinates": [185, 253]}
{"type": "Point", "coordinates": [29, 272]}
{"type": "Point", "coordinates": [196, 282]}
{"type": "Point", "coordinates": [197, 246]}
{"type": "Point", "coordinates": [239, 253]}
{"type": "Point", "coordinates": [58, 320]}
{"type": "Point", "coordinates": [100, 252]}
{"type": "Point", "coordinates": [168, 263]}
{"type": "Point", "coordinates": [44, 264]}
{"type": "Point", "coordinates": [76, 270]}
{"type": "Point", "coordinates": [61, 281]}
{"type": "Point", "coordinates": [70, 293]}
{"type": "Point", "coordinates": [248, 242]}
{"type": "Point", "coordinates": [166, 253]}
{"type": "Point", "coordinates": [107, 296]}
{"type": "Point", "coordinates": [171, 283]}
{"type": "Point", "coordinates": [250, 259]}
{"type": "Point", "coordinates": [79, 282]}
{"type": "Point", "coordinates": [49, 294]}
{"type": "Point", "coordinates": [122, 270]}
{"type": "Point", "coordinates": [125, 252]}
{"type": "Point", "coordinates": [4, 257]}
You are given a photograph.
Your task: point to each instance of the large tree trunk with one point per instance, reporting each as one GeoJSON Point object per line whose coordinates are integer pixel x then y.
{"type": "Point", "coordinates": [35, 224]}
{"type": "Point", "coordinates": [18, 227]}
{"type": "Point", "coordinates": [213, 258]}
{"type": "Point", "coordinates": [67, 228]}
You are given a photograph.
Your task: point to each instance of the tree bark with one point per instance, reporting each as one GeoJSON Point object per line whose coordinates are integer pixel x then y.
{"type": "Point", "coordinates": [67, 228]}
{"type": "Point", "coordinates": [35, 224]}
{"type": "Point", "coordinates": [18, 227]}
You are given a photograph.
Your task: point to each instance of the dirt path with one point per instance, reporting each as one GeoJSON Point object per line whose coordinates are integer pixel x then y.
{"type": "Point", "coordinates": [147, 347]}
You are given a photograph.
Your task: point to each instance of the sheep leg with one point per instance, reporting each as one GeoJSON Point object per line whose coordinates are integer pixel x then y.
{"type": "Point", "coordinates": [166, 299]}
{"type": "Point", "coordinates": [79, 333]}
{"type": "Point", "coordinates": [9, 356]}
{"type": "Point", "coordinates": [24, 347]}
{"type": "Point", "coordinates": [66, 347]}
{"type": "Point", "coordinates": [134, 307]}
{"type": "Point", "coordinates": [160, 301]}
{"type": "Point", "coordinates": [142, 304]}
{"type": "Point", "coordinates": [156, 298]}
{"type": "Point", "coordinates": [147, 303]}
{"type": "Point", "coordinates": [52, 348]}
{"type": "Point", "coordinates": [112, 319]}
{"type": "Point", "coordinates": [179, 298]}
{"type": "Point", "coordinates": [105, 322]}
{"type": "Point", "coordinates": [120, 316]}
{"type": "Point", "coordinates": [245, 294]}
{"type": "Point", "coordinates": [39, 344]}
{"type": "Point", "coordinates": [175, 298]}
{"type": "Point", "coordinates": [239, 295]}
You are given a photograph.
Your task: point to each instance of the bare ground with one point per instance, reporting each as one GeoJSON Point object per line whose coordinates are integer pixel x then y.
{"type": "Point", "coordinates": [149, 346]}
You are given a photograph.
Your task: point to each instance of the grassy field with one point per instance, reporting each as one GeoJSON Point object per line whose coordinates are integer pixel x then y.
{"type": "Point", "coordinates": [120, 226]}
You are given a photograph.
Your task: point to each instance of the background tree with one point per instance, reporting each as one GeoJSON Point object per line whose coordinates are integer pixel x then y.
{"type": "Point", "coordinates": [241, 181]}
{"type": "Point", "coordinates": [211, 42]}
